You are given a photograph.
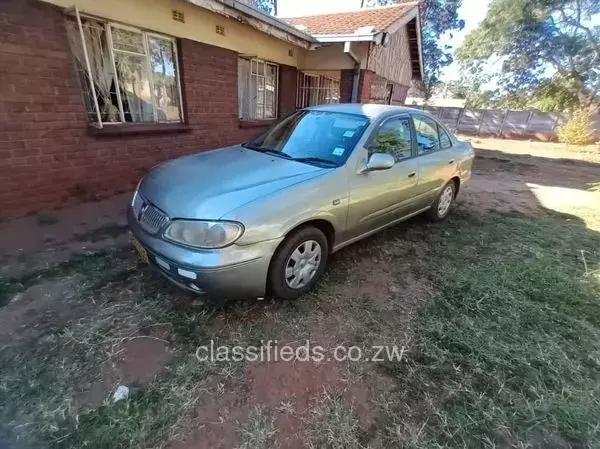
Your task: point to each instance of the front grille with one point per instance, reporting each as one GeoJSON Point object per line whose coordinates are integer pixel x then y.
{"type": "Point", "coordinates": [152, 219]}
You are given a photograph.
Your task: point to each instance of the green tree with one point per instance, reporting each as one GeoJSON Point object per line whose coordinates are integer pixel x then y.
{"type": "Point", "coordinates": [268, 6]}
{"type": "Point", "coordinates": [547, 43]}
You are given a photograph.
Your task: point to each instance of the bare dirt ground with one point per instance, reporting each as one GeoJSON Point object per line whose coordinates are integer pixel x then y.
{"type": "Point", "coordinates": [48, 238]}
{"type": "Point", "coordinates": [112, 324]}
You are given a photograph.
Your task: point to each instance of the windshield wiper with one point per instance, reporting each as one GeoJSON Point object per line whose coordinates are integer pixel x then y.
{"type": "Point", "coordinates": [251, 147]}
{"type": "Point", "coordinates": [276, 152]}
{"type": "Point", "coordinates": [267, 150]}
{"type": "Point", "coordinates": [315, 159]}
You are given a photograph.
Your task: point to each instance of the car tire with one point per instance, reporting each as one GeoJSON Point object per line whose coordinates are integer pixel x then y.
{"type": "Point", "coordinates": [442, 205]}
{"type": "Point", "coordinates": [298, 263]}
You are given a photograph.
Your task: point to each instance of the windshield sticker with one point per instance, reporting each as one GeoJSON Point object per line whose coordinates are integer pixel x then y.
{"type": "Point", "coordinates": [348, 133]}
{"type": "Point", "coordinates": [338, 151]}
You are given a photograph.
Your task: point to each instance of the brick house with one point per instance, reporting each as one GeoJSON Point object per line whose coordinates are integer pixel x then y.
{"type": "Point", "coordinates": [94, 93]}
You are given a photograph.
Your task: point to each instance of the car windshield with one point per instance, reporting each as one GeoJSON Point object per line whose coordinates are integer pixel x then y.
{"type": "Point", "coordinates": [313, 137]}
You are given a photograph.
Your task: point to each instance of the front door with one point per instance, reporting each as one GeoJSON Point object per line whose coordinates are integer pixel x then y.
{"type": "Point", "coordinates": [380, 197]}
{"type": "Point", "coordinates": [389, 93]}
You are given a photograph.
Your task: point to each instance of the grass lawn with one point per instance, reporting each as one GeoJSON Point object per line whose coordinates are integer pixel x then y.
{"type": "Point", "coordinates": [498, 312]}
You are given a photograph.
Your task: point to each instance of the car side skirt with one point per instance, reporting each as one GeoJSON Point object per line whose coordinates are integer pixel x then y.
{"type": "Point", "coordinates": [380, 228]}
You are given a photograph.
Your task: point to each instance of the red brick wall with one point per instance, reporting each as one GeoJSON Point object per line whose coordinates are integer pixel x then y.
{"type": "Point", "coordinates": [49, 158]}
{"type": "Point", "coordinates": [364, 86]}
{"type": "Point", "coordinates": [366, 94]}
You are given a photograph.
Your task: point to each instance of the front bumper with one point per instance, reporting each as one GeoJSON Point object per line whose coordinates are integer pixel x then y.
{"type": "Point", "coordinates": [232, 272]}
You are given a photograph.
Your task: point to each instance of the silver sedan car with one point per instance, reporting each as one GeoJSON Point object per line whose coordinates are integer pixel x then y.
{"type": "Point", "coordinates": [262, 218]}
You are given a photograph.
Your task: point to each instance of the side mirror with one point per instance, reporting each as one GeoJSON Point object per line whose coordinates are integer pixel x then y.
{"type": "Point", "coordinates": [378, 161]}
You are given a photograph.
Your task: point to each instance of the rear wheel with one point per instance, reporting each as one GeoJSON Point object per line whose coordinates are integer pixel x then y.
{"type": "Point", "coordinates": [443, 204]}
{"type": "Point", "coordinates": [298, 263]}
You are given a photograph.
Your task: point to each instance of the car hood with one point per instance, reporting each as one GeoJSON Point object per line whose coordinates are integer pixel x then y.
{"type": "Point", "coordinates": [207, 185]}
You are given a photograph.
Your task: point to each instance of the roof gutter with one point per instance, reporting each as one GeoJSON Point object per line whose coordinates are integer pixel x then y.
{"type": "Point", "coordinates": [344, 37]}
{"type": "Point", "coordinates": [257, 19]}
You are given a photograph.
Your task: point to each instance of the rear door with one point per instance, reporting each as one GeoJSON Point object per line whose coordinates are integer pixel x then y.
{"type": "Point", "coordinates": [435, 158]}
{"type": "Point", "coordinates": [379, 197]}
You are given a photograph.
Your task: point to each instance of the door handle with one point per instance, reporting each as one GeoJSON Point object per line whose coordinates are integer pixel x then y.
{"type": "Point", "coordinates": [412, 175]}
{"type": "Point", "coordinates": [451, 161]}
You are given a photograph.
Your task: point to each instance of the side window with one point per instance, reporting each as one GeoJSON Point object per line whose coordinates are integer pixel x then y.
{"type": "Point", "coordinates": [445, 141]}
{"type": "Point", "coordinates": [427, 134]}
{"type": "Point", "coordinates": [394, 138]}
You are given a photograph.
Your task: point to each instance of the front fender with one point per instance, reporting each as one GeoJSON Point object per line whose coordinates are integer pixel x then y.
{"type": "Point", "coordinates": [274, 216]}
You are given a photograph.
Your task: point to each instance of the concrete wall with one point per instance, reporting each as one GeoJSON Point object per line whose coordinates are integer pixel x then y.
{"type": "Point", "coordinates": [543, 125]}
{"type": "Point", "coordinates": [200, 24]}
{"type": "Point", "coordinates": [332, 57]}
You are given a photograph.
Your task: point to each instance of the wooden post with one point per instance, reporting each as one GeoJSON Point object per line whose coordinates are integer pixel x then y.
{"type": "Point", "coordinates": [527, 122]}
{"type": "Point", "coordinates": [555, 122]}
{"type": "Point", "coordinates": [460, 114]}
{"type": "Point", "coordinates": [502, 123]}
{"type": "Point", "coordinates": [481, 121]}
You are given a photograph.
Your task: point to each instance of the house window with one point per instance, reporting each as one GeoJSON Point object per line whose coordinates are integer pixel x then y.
{"type": "Point", "coordinates": [316, 89]}
{"type": "Point", "coordinates": [127, 75]}
{"type": "Point", "coordinates": [258, 89]}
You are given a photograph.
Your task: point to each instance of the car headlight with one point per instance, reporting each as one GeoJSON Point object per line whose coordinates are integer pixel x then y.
{"type": "Point", "coordinates": [204, 234]}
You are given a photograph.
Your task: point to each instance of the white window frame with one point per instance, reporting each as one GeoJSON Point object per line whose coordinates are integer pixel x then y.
{"type": "Point", "coordinates": [109, 26]}
{"type": "Point", "coordinates": [322, 89]}
{"type": "Point", "coordinates": [255, 62]}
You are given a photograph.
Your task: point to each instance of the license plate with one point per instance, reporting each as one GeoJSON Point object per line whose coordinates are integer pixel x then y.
{"type": "Point", "coordinates": [142, 253]}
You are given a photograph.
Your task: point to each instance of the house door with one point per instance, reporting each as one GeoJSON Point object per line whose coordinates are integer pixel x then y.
{"type": "Point", "coordinates": [389, 91]}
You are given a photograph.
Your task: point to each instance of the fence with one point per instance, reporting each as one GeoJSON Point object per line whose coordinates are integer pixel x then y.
{"type": "Point", "coordinates": [504, 123]}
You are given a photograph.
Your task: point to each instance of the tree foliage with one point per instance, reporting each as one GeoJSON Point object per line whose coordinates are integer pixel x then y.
{"type": "Point", "coordinates": [268, 6]}
{"type": "Point", "coordinates": [552, 95]}
{"type": "Point", "coordinates": [437, 18]}
{"type": "Point", "coordinates": [578, 130]}
{"type": "Point", "coordinates": [548, 47]}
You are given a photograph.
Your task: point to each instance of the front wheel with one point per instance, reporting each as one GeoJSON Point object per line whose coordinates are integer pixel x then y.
{"type": "Point", "coordinates": [298, 263]}
{"type": "Point", "coordinates": [442, 205]}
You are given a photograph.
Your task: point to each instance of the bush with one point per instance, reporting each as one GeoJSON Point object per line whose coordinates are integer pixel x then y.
{"type": "Point", "coordinates": [578, 130]}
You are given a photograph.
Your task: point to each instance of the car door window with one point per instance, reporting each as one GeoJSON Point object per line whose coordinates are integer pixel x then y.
{"type": "Point", "coordinates": [445, 141]}
{"type": "Point", "coordinates": [393, 137]}
{"type": "Point", "coordinates": [428, 139]}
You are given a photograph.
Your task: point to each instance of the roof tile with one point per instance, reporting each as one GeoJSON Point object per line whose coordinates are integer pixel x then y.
{"type": "Point", "coordinates": [348, 22]}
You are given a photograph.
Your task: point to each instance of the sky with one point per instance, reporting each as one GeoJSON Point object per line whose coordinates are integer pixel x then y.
{"type": "Point", "coordinates": [471, 11]}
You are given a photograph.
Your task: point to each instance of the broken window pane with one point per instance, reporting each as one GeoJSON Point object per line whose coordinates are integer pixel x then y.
{"type": "Point", "coordinates": [128, 40]}
{"type": "Point", "coordinates": [135, 87]}
{"type": "Point", "coordinates": [101, 68]}
{"type": "Point", "coordinates": [145, 87]}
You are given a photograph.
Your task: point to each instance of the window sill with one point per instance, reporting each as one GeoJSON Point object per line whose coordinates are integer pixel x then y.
{"type": "Point", "coordinates": [254, 123]}
{"type": "Point", "coordinates": [126, 129]}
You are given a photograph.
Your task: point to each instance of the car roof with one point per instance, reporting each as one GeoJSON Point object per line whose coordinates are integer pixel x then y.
{"type": "Point", "coordinates": [372, 111]}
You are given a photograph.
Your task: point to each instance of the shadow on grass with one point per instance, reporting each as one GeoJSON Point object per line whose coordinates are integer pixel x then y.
{"type": "Point", "coordinates": [508, 349]}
